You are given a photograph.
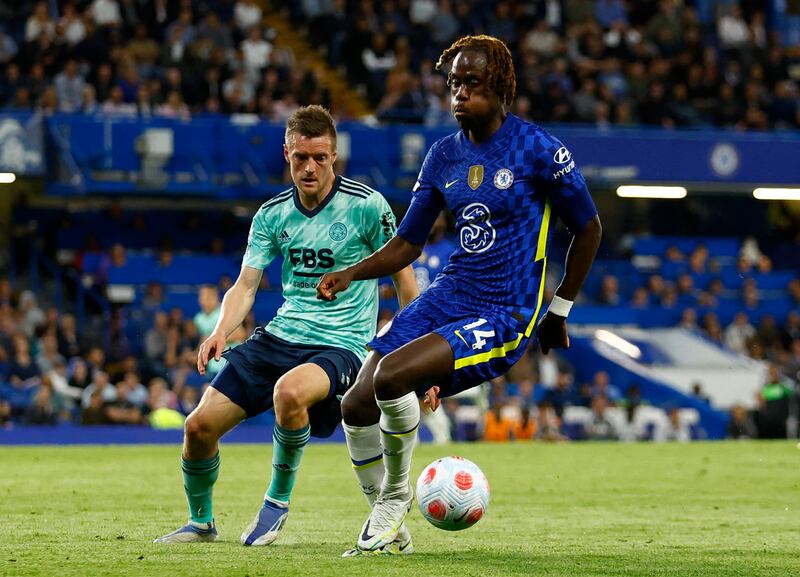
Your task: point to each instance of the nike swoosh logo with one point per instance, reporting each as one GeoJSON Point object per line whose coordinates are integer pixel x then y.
{"type": "Point", "coordinates": [364, 535]}
{"type": "Point", "coordinates": [460, 518]}
{"type": "Point", "coordinates": [451, 183]}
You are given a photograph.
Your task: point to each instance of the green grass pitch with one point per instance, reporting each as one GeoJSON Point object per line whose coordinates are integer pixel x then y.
{"type": "Point", "coordinates": [706, 509]}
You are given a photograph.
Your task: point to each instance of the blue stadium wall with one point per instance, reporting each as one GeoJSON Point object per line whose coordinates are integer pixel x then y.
{"type": "Point", "coordinates": [241, 157]}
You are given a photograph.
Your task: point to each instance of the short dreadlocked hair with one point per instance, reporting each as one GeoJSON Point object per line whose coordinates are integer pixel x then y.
{"type": "Point", "coordinates": [499, 64]}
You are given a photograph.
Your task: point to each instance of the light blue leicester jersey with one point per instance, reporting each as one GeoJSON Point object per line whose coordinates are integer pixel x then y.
{"type": "Point", "coordinates": [351, 223]}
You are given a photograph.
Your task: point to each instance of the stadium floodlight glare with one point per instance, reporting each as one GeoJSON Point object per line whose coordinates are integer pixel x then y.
{"type": "Point", "coordinates": [777, 193]}
{"type": "Point", "coordinates": [642, 191]}
{"type": "Point", "coordinates": [618, 343]}
{"type": "Point", "coordinates": [7, 177]}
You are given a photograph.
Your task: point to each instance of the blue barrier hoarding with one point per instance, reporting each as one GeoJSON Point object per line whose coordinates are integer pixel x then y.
{"type": "Point", "coordinates": [242, 156]}
{"type": "Point", "coordinates": [708, 156]}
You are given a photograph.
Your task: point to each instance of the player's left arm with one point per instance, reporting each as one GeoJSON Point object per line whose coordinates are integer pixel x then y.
{"type": "Point", "coordinates": [405, 285]}
{"type": "Point", "coordinates": [381, 227]}
{"type": "Point", "coordinates": [572, 202]}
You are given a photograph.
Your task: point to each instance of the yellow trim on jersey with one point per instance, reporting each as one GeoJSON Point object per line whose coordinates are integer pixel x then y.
{"type": "Point", "coordinates": [493, 354]}
{"type": "Point", "coordinates": [541, 246]}
{"type": "Point", "coordinates": [538, 299]}
{"type": "Point", "coordinates": [498, 352]}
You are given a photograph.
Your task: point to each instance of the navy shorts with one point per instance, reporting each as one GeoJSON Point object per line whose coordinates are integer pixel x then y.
{"type": "Point", "coordinates": [486, 343]}
{"type": "Point", "coordinates": [253, 368]}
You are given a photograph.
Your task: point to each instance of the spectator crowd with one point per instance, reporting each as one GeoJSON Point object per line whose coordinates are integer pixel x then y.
{"type": "Point", "coordinates": [52, 372]}
{"type": "Point", "coordinates": [148, 58]}
{"type": "Point", "coordinates": [666, 63]}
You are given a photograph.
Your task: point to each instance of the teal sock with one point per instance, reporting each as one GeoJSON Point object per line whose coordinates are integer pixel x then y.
{"type": "Point", "coordinates": [287, 450]}
{"type": "Point", "coordinates": [198, 482]}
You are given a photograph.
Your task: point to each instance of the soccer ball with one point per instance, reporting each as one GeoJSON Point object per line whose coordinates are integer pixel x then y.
{"type": "Point", "coordinates": [452, 493]}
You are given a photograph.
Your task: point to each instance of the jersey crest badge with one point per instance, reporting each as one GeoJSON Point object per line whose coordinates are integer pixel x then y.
{"type": "Point", "coordinates": [503, 178]}
{"type": "Point", "coordinates": [337, 232]}
{"type": "Point", "coordinates": [475, 177]}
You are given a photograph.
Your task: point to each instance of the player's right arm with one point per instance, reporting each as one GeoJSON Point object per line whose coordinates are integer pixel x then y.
{"type": "Point", "coordinates": [238, 300]}
{"type": "Point", "coordinates": [236, 303]}
{"type": "Point", "coordinates": [572, 202]}
{"type": "Point", "coordinates": [396, 254]}
{"type": "Point", "coordinates": [405, 247]}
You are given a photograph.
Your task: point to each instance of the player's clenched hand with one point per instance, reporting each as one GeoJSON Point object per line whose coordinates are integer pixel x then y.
{"type": "Point", "coordinates": [552, 333]}
{"type": "Point", "coordinates": [212, 347]}
{"type": "Point", "coordinates": [431, 399]}
{"type": "Point", "coordinates": [332, 283]}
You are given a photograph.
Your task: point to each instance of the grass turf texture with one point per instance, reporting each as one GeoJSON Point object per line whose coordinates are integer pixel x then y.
{"type": "Point", "coordinates": [707, 509]}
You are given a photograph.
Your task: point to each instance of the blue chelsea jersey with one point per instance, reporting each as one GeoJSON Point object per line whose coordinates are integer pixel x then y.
{"type": "Point", "coordinates": [503, 194]}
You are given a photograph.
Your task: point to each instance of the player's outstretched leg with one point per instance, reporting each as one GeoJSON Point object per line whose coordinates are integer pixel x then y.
{"type": "Point", "coordinates": [424, 361]}
{"type": "Point", "coordinates": [294, 392]}
{"type": "Point", "coordinates": [213, 417]}
{"type": "Point", "coordinates": [360, 414]}
{"type": "Point", "coordinates": [370, 473]}
{"type": "Point", "coordinates": [398, 436]}
{"type": "Point", "coordinates": [287, 450]}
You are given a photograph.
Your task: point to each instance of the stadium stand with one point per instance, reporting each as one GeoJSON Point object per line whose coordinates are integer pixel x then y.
{"type": "Point", "coordinates": [128, 274]}
{"type": "Point", "coordinates": [660, 63]}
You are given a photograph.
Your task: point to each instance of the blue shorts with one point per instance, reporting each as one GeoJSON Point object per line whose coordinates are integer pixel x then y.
{"type": "Point", "coordinates": [253, 368]}
{"type": "Point", "coordinates": [486, 343]}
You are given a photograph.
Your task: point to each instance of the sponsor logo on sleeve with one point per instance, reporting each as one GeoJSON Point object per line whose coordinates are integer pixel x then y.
{"type": "Point", "coordinates": [563, 157]}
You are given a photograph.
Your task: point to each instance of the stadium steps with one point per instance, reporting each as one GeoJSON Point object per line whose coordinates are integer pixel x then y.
{"type": "Point", "coordinates": [336, 82]}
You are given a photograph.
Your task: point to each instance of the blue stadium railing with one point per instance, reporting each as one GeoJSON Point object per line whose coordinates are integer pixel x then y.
{"type": "Point", "coordinates": [241, 157]}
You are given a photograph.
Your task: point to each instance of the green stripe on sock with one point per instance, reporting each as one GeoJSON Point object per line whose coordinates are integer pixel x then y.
{"type": "Point", "coordinates": [292, 439]}
{"type": "Point", "coordinates": [198, 483]}
{"type": "Point", "coordinates": [287, 451]}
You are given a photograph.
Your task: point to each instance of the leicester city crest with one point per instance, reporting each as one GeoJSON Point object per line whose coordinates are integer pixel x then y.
{"type": "Point", "coordinates": [337, 232]}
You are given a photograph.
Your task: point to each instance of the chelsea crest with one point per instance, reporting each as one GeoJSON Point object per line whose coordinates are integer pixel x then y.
{"type": "Point", "coordinates": [503, 178]}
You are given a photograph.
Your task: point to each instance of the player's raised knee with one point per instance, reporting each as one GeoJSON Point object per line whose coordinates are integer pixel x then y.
{"type": "Point", "coordinates": [390, 377]}
{"type": "Point", "coordinates": [358, 404]}
{"type": "Point", "coordinates": [199, 430]}
{"type": "Point", "coordinates": [350, 406]}
{"type": "Point", "coordinates": [288, 395]}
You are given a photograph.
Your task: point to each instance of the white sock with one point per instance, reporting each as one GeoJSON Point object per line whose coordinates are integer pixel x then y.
{"type": "Point", "coordinates": [399, 424]}
{"type": "Point", "coordinates": [366, 453]}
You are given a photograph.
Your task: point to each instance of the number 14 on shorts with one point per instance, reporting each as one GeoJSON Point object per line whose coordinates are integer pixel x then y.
{"type": "Point", "coordinates": [478, 334]}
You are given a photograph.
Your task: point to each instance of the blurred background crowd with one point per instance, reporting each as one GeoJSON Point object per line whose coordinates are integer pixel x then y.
{"type": "Point", "coordinates": [135, 363]}
{"type": "Point", "coordinates": [669, 64]}
{"type": "Point", "coordinates": [665, 63]}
